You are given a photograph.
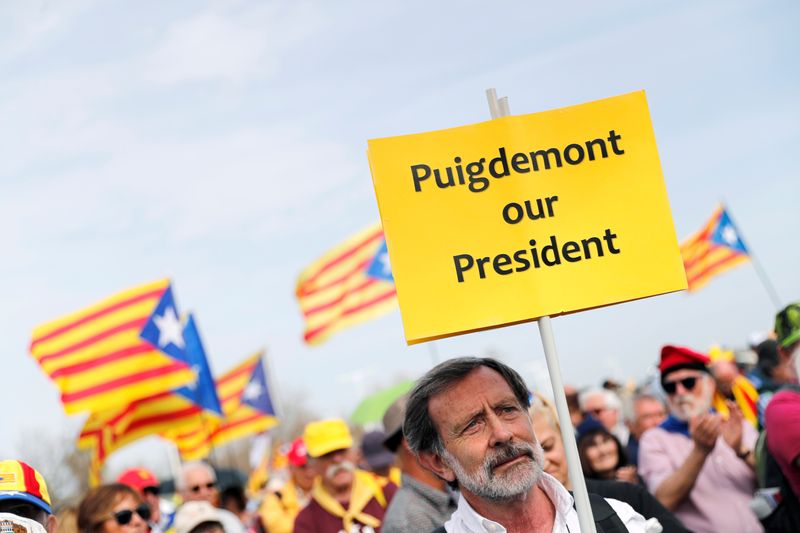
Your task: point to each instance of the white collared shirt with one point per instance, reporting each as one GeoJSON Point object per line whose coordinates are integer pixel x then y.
{"type": "Point", "coordinates": [466, 520]}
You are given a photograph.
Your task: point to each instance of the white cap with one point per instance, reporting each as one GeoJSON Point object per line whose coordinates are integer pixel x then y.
{"type": "Point", "coordinates": [192, 514]}
{"type": "Point", "coordinates": [13, 523]}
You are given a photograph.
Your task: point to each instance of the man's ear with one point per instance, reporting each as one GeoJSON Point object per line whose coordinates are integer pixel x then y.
{"type": "Point", "coordinates": [52, 524]}
{"type": "Point", "coordinates": [434, 462]}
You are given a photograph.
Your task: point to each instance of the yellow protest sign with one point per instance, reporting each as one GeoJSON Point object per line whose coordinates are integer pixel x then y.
{"type": "Point", "coordinates": [525, 216]}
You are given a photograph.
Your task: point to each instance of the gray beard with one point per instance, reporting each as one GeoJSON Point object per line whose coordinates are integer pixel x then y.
{"type": "Point", "coordinates": [700, 406]}
{"type": "Point", "coordinates": [515, 483]}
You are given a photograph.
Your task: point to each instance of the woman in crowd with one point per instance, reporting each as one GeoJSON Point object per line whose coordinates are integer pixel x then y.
{"type": "Point", "coordinates": [113, 508]}
{"type": "Point", "coordinates": [548, 432]}
{"type": "Point", "coordinates": [602, 455]}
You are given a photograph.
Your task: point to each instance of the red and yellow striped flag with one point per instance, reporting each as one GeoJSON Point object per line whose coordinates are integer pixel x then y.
{"type": "Point", "coordinates": [107, 431]}
{"type": "Point", "coordinates": [241, 419]}
{"type": "Point", "coordinates": [717, 247]}
{"type": "Point", "coordinates": [97, 358]}
{"type": "Point", "coordinates": [349, 284]}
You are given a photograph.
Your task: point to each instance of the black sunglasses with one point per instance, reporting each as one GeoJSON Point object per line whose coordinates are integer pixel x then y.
{"type": "Point", "coordinates": [671, 386]}
{"type": "Point", "coordinates": [125, 516]}
{"type": "Point", "coordinates": [197, 488]}
{"type": "Point", "coordinates": [155, 490]}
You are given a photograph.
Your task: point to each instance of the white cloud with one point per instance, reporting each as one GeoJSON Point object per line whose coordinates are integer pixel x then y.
{"type": "Point", "coordinates": [229, 44]}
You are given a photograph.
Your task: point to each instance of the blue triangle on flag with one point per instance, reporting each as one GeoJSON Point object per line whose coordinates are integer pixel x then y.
{"type": "Point", "coordinates": [725, 234]}
{"type": "Point", "coordinates": [256, 392]}
{"type": "Point", "coordinates": [379, 267]}
{"type": "Point", "coordinates": [203, 392]}
{"type": "Point", "coordinates": [164, 330]}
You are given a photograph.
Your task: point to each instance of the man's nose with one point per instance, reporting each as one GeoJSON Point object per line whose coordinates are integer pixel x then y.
{"type": "Point", "coordinates": [500, 431]}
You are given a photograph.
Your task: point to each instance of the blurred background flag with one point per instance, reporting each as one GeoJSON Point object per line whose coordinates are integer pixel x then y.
{"type": "Point", "coordinates": [350, 284]}
{"type": "Point", "coordinates": [717, 247]}
{"type": "Point", "coordinates": [189, 408]}
{"type": "Point", "coordinates": [247, 406]}
{"type": "Point", "coordinates": [116, 351]}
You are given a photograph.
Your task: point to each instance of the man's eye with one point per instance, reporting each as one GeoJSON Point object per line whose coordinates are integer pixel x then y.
{"type": "Point", "coordinates": [472, 425]}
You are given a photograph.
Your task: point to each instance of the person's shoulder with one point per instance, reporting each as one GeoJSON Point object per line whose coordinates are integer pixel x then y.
{"type": "Point", "coordinates": [783, 403]}
{"type": "Point", "coordinates": [653, 437]}
{"type": "Point", "coordinates": [785, 397]}
{"type": "Point", "coordinates": [633, 521]}
{"type": "Point", "coordinates": [390, 490]}
{"type": "Point", "coordinates": [304, 521]}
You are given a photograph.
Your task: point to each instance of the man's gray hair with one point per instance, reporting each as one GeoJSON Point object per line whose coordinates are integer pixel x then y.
{"type": "Point", "coordinates": [180, 481]}
{"type": "Point", "coordinates": [418, 427]}
{"type": "Point", "coordinates": [610, 399]}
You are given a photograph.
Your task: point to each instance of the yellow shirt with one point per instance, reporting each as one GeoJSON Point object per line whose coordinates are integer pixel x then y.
{"type": "Point", "coordinates": [280, 508]}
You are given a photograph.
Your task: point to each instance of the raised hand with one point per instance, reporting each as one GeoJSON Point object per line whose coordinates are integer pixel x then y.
{"type": "Point", "coordinates": [732, 427]}
{"type": "Point", "coordinates": [704, 429]}
{"type": "Point", "coordinates": [626, 473]}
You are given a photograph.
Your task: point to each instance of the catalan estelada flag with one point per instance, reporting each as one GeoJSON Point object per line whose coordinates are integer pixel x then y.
{"type": "Point", "coordinates": [717, 247]}
{"type": "Point", "coordinates": [246, 405]}
{"type": "Point", "coordinates": [187, 408]}
{"type": "Point", "coordinates": [349, 284]}
{"type": "Point", "coordinates": [116, 351]}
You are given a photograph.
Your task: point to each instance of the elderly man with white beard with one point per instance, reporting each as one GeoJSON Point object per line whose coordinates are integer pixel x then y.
{"type": "Point", "coordinates": [697, 464]}
{"type": "Point", "coordinates": [467, 421]}
{"type": "Point", "coordinates": [343, 498]}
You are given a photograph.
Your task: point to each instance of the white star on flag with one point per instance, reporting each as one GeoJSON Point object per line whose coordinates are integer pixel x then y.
{"type": "Point", "coordinates": [252, 391]}
{"type": "Point", "coordinates": [729, 235]}
{"type": "Point", "coordinates": [169, 329]}
{"type": "Point", "coordinates": [196, 371]}
{"type": "Point", "coordinates": [384, 259]}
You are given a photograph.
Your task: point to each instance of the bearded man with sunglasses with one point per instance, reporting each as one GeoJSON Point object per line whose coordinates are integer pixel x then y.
{"type": "Point", "coordinates": [697, 464]}
{"type": "Point", "coordinates": [198, 482]}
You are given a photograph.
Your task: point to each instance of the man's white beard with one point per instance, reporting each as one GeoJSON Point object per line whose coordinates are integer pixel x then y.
{"type": "Point", "coordinates": [515, 482]}
{"type": "Point", "coordinates": [685, 406]}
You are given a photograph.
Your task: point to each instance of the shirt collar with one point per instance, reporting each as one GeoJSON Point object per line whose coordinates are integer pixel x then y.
{"type": "Point", "coordinates": [472, 522]}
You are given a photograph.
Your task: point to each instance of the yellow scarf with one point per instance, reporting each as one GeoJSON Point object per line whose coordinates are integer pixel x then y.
{"type": "Point", "coordinates": [364, 489]}
{"type": "Point", "coordinates": [746, 398]}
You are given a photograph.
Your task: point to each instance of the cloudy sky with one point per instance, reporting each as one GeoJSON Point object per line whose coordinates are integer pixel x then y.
{"type": "Point", "coordinates": [222, 144]}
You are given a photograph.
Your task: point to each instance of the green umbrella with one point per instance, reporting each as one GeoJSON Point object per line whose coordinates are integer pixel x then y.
{"type": "Point", "coordinates": [372, 407]}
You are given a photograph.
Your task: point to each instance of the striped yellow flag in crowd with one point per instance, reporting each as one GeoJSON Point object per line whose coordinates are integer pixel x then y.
{"type": "Point", "coordinates": [115, 351]}
{"type": "Point", "coordinates": [717, 247]}
{"type": "Point", "coordinates": [247, 409]}
{"type": "Point", "coordinates": [350, 284]}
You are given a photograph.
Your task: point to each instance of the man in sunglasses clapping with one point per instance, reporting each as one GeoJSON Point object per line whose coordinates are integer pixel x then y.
{"type": "Point", "coordinates": [698, 464]}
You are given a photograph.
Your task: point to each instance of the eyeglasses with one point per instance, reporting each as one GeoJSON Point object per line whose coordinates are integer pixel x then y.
{"type": "Point", "coordinates": [596, 412]}
{"type": "Point", "coordinates": [155, 490]}
{"type": "Point", "coordinates": [125, 516]}
{"type": "Point", "coordinates": [197, 488]}
{"type": "Point", "coordinates": [671, 386]}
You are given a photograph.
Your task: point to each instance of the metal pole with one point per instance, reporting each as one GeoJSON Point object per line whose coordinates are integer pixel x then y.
{"type": "Point", "coordinates": [579, 491]}
{"type": "Point", "coordinates": [500, 108]}
{"type": "Point", "coordinates": [760, 272]}
{"type": "Point", "coordinates": [434, 353]}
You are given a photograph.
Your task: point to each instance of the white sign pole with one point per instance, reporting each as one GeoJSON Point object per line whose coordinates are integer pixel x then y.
{"type": "Point", "coordinates": [499, 108]}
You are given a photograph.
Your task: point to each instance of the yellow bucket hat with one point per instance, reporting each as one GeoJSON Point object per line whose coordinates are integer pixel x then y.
{"type": "Point", "coordinates": [325, 436]}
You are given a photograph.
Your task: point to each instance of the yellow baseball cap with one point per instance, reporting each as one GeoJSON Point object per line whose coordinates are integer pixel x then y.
{"type": "Point", "coordinates": [326, 436]}
{"type": "Point", "coordinates": [19, 481]}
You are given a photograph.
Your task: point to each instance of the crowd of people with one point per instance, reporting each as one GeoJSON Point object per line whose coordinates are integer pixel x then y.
{"type": "Point", "coordinates": [713, 446]}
